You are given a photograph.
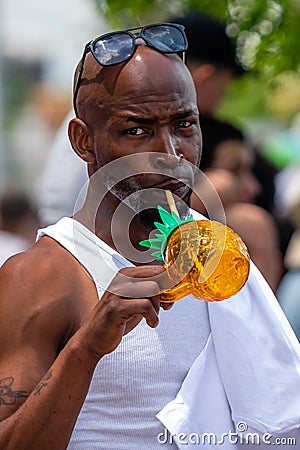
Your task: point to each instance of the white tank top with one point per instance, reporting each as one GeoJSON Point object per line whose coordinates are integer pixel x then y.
{"type": "Point", "coordinates": [132, 384]}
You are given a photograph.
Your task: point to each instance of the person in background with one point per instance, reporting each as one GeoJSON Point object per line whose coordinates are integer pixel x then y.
{"type": "Point", "coordinates": [18, 223]}
{"type": "Point", "coordinates": [211, 58]}
{"type": "Point", "coordinates": [288, 201]}
{"type": "Point", "coordinates": [227, 161]}
{"type": "Point", "coordinates": [212, 61]}
{"type": "Point", "coordinates": [267, 174]}
{"type": "Point", "coordinates": [40, 118]}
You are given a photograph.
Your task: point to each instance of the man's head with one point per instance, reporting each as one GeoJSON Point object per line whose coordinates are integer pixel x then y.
{"type": "Point", "coordinates": [143, 106]}
{"type": "Point", "coordinates": [210, 57]}
{"type": "Point", "coordinates": [119, 46]}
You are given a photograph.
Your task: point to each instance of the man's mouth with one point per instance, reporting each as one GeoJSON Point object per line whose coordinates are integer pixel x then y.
{"type": "Point", "coordinates": [177, 187]}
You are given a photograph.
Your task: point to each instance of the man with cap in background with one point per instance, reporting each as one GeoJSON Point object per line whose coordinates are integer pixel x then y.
{"type": "Point", "coordinates": [211, 59]}
{"type": "Point", "coordinates": [213, 64]}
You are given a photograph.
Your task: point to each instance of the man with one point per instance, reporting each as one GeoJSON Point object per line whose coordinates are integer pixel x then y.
{"type": "Point", "coordinates": [79, 367]}
{"type": "Point", "coordinates": [213, 64]}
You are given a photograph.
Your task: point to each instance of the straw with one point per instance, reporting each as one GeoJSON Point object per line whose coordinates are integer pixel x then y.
{"type": "Point", "coordinates": [171, 202]}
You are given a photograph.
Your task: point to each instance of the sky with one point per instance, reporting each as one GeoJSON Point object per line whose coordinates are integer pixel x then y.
{"type": "Point", "coordinates": [54, 30]}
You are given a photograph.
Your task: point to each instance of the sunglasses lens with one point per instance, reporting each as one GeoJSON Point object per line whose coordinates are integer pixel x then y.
{"type": "Point", "coordinates": [166, 38]}
{"type": "Point", "coordinates": [113, 49]}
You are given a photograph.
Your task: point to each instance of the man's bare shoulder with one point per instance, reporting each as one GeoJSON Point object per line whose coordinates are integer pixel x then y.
{"type": "Point", "coordinates": [46, 263]}
{"type": "Point", "coordinates": [48, 283]}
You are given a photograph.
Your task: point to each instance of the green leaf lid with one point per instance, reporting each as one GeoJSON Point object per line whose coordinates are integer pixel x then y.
{"type": "Point", "coordinates": [170, 223]}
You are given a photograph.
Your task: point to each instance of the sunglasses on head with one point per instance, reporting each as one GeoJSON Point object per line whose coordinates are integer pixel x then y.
{"type": "Point", "coordinates": [119, 46]}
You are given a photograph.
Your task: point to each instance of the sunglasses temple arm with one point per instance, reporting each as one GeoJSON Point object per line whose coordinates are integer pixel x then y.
{"type": "Point", "coordinates": [76, 86]}
{"type": "Point", "coordinates": [78, 78]}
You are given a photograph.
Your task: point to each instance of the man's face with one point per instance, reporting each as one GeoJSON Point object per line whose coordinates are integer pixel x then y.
{"type": "Point", "coordinates": [150, 116]}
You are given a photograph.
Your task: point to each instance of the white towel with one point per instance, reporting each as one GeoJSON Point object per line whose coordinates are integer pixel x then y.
{"type": "Point", "coordinates": [247, 379]}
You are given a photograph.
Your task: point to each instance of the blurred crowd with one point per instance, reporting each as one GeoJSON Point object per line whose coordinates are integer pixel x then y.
{"type": "Point", "coordinates": [261, 201]}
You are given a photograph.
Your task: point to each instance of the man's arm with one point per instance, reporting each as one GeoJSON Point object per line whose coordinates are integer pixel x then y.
{"type": "Point", "coordinates": [50, 346]}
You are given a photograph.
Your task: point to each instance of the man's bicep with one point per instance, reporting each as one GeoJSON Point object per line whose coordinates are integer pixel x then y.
{"type": "Point", "coordinates": [28, 347]}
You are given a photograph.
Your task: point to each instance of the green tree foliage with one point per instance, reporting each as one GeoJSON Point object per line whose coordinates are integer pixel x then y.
{"type": "Point", "coordinates": [266, 31]}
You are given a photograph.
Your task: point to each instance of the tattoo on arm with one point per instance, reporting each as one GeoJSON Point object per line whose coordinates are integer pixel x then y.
{"type": "Point", "coordinates": [42, 383]}
{"type": "Point", "coordinates": [7, 395]}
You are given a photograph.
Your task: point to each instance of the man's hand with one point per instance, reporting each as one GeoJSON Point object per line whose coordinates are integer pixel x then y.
{"type": "Point", "coordinates": [132, 295]}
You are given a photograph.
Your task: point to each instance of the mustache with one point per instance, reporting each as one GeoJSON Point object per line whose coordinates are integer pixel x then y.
{"type": "Point", "coordinates": [170, 179]}
{"type": "Point", "coordinates": [170, 183]}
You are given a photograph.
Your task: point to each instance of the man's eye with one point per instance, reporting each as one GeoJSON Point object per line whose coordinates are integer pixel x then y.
{"type": "Point", "coordinates": [185, 124]}
{"type": "Point", "coordinates": [137, 131]}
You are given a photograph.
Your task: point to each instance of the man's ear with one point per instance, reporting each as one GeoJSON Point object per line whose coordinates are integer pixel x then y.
{"type": "Point", "coordinates": [81, 140]}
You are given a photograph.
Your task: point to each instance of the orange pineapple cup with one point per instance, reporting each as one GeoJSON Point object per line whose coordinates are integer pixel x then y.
{"type": "Point", "coordinates": [202, 257]}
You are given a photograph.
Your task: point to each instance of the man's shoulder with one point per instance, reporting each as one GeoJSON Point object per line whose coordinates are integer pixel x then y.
{"type": "Point", "coordinates": [43, 259]}
{"type": "Point", "coordinates": [46, 271]}
{"type": "Point", "coordinates": [46, 287]}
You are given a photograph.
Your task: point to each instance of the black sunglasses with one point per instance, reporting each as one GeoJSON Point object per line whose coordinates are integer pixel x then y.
{"type": "Point", "coordinates": [119, 46]}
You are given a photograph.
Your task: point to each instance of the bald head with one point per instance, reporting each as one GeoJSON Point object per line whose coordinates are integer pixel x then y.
{"type": "Point", "coordinates": [148, 70]}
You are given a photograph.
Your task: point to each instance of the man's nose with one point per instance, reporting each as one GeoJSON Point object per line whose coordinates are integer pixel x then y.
{"type": "Point", "coordinates": [168, 154]}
